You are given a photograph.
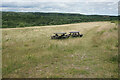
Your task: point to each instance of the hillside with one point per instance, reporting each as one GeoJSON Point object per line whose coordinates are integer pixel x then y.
{"type": "Point", "coordinates": [28, 19]}
{"type": "Point", "coordinates": [30, 53]}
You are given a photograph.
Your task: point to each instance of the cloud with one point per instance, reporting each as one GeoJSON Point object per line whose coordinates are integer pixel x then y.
{"type": "Point", "coordinates": [107, 8]}
{"type": "Point", "coordinates": [60, 0]}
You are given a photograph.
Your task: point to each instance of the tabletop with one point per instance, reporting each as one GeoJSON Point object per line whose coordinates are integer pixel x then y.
{"type": "Point", "coordinates": [74, 32]}
{"type": "Point", "coordinates": [60, 33]}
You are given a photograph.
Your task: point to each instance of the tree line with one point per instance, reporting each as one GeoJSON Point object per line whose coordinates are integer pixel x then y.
{"type": "Point", "coordinates": [27, 19]}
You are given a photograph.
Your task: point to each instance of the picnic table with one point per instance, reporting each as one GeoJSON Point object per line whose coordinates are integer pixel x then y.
{"type": "Point", "coordinates": [60, 35]}
{"type": "Point", "coordinates": [75, 34]}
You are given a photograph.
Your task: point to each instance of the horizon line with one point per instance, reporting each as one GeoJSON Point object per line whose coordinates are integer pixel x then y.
{"type": "Point", "coordinates": [64, 13]}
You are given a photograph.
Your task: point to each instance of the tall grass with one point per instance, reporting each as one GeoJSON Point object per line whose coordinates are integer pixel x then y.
{"type": "Point", "coordinates": [30, 52]}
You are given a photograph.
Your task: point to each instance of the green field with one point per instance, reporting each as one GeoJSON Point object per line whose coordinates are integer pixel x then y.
{"type": "Point", "coordinates": [30, 53]}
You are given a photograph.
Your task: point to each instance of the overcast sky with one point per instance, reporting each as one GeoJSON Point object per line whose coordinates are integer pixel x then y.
{"type": "Point", "coordinates": [89, 7]}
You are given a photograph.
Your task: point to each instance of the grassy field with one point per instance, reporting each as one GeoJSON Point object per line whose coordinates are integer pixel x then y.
{"type": "Point", "coordinates": [30, 53]}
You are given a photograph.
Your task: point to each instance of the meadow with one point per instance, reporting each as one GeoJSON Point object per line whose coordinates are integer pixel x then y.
{"type": "Point", "coordinates": [30, 53]}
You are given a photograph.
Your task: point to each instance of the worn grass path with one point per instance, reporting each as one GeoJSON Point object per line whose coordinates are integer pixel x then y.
{"type": "Point", "coordinates": [31, 53]}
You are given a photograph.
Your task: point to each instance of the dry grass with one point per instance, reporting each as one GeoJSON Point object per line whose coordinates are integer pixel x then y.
{"type": "Point", "coordinates": [29, 52]}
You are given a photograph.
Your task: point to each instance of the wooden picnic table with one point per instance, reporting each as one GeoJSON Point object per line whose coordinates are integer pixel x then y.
{"type": "Point", "coordinates": [60, 35]}
{"type": "Point", "coordinates": [75, 34]}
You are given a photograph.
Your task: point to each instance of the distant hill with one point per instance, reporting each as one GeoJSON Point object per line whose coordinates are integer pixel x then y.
{"type": "Point", "coordinates": [26, 19]}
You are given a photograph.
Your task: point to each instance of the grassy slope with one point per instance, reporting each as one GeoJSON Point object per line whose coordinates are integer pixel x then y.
{"type": "Point", "coordinates": [31, 53]}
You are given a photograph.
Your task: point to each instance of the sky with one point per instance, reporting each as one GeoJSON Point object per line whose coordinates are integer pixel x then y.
{"type": "Point", "coordinates": [88, 7]}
